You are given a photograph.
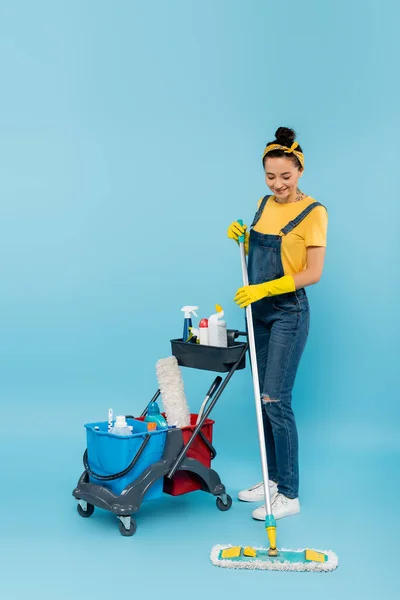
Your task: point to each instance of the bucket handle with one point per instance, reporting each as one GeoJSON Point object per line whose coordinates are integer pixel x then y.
{"type": "Point", "coordinates": [122, 473]}
{"type": "Point", "coordinates": [212, 450]}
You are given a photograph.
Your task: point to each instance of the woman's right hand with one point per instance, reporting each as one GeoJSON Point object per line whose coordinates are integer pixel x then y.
{"type": "Point", "coordinates": [235, 230]}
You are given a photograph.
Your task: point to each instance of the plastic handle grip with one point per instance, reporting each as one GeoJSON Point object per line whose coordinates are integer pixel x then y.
{"type": "Point", "coordinates": [216, 383]}
{"type": "Point", "coordinates": [242, 237]}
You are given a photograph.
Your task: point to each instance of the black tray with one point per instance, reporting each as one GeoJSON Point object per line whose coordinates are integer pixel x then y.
{"type": "Point", "coordinates": [209, 358]}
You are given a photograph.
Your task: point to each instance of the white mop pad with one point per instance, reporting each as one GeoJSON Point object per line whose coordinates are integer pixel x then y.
{"type": "Point", "coordinates": [264, 562]}
{"type": "Point", "coordinates": [172, 391]}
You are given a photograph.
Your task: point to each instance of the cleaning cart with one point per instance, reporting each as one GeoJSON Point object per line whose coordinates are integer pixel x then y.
{"type": "Point", "coordinates": [122, 472]}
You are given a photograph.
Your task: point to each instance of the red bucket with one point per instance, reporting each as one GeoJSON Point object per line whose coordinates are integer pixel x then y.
{"type": "Point", "coordinates": [184, 482]}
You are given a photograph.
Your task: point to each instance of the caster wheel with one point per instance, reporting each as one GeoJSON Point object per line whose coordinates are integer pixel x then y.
{"type": "Point", "coordinates": [127, 532]}
{"type": "Point", "coordinates": [85, 513]}
{"type": "Point", "coordinates": [223, 506]}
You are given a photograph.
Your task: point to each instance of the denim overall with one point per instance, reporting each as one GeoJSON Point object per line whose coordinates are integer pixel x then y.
{"type": "Point", "coordinates": [281, 325]}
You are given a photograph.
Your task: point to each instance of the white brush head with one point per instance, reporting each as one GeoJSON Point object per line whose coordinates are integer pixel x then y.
{"type": "Point", "coordinates": [172, 391]}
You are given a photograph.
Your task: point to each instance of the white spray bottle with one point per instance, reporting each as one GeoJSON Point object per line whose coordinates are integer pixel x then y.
{"type": "Point", "coordinates": [217, 333]}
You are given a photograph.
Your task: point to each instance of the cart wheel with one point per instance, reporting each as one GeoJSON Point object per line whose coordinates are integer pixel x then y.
{"type": "Point", "coordinates": [85, 513]}
{"type": "Point", "coordinates": [127, 532]}
{"type": "Point", "coordinates": [223, 506]}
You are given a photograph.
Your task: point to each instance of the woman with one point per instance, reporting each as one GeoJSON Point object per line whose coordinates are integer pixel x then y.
{"type": "Point", "coordinates": [286, 251]}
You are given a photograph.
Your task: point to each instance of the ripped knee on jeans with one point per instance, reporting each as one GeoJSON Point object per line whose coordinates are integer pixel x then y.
{"type": "Point", "coordinates": [266, 398]}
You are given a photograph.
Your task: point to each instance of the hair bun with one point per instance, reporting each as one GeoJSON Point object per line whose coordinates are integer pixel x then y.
{"type": "Point", "coordinates": [285, 136]}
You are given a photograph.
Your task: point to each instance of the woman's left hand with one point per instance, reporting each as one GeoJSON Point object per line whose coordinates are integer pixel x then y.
{"type": "Point", "coordinates": [252, 293]}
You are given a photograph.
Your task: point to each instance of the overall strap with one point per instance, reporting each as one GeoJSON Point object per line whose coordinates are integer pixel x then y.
{"type": "Point", "coordinates": [292, 224]}
{"type": "Point", "coordinates": [260, 211]}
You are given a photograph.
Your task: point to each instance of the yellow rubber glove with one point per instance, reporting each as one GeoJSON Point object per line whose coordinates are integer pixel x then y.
{"type": "Point", "coordinates": [235, 230]}
{"type": "Point", "coordinates": [252, 293]}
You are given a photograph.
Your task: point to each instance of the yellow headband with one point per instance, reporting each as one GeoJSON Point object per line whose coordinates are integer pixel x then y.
{"type": "Point", "coordinates": [291, 150]}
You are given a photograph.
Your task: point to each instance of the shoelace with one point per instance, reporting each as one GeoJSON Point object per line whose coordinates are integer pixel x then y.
{"type": "Point", "coordinates": [258, 485]}
{"type": "Point", "coordinates": [255, 487]}
{"type": "Point", "coordinates": [279, 499]}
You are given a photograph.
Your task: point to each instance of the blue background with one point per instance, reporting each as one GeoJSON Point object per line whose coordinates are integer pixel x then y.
{"type": "Point", "coordinates": [131, 136]}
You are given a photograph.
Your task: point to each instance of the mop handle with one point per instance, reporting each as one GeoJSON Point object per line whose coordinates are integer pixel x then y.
{"type": "Point", "coordinates": [256, 381]}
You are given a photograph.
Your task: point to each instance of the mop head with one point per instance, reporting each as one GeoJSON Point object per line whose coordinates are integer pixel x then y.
{"type": "Point", "coordinates": [246, 557]}
{"type": "Point", "coordinates": [172, 391]}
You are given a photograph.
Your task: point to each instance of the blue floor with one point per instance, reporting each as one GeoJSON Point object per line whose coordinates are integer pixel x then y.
{"type": "Point", "coordinates": [49, 552]}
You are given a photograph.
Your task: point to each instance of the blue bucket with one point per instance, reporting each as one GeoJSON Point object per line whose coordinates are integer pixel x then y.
{"type": "Point", "coordinates": [109, 454]}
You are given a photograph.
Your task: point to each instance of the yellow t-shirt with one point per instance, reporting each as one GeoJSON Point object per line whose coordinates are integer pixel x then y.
{"type": "Point", "coordinates": [311, 231]}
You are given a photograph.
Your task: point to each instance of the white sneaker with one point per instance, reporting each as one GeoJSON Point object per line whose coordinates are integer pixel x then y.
{"type": "Point", "coordinates": [281, 507]}
{"type": "Point", "coordinates": [256, 493]}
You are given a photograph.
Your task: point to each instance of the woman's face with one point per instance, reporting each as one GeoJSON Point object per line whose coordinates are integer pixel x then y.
{"type": "Point", "coordinates": [281, 176]}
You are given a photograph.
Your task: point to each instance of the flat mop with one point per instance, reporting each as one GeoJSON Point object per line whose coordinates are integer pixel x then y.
{"type": "Point", "coordinates": [272, 559]}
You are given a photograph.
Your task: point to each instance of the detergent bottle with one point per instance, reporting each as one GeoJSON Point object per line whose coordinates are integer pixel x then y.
{"type": "Point", "coordinates": [121, 427]}
{"type": "Point", "coordinates": [217, 333]}
{"type": "Point", "coordinates": [188, 310]}
{"type": "Point", "coordinates": [203, 332]}
{"type": "Point", "coordinates": [154, 416]}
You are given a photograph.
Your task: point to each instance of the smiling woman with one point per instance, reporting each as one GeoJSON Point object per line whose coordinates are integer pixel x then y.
{"type": "Point", "coordinates": [286, 250]}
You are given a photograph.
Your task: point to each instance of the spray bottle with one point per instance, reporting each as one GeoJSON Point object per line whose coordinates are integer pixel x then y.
{"type": "Point", "coordinates": [188, 310]}
{"type": "Point", "coordinates": [217, 333]}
